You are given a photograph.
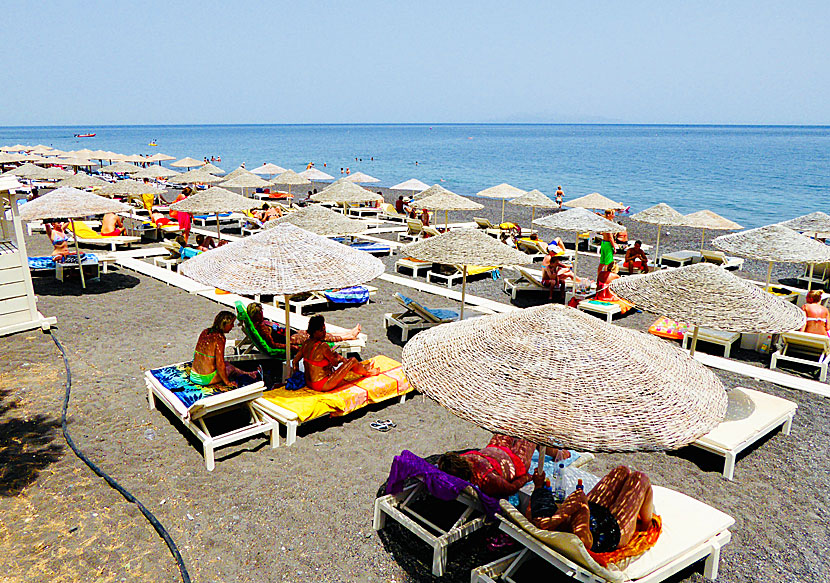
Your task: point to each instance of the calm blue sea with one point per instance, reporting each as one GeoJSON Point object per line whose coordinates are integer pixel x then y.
{"type": "Point", "coordinates": [752, 174]}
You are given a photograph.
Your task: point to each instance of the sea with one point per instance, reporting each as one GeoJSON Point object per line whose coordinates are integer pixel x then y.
{"type": "Point", "coordinates": [754, 175]}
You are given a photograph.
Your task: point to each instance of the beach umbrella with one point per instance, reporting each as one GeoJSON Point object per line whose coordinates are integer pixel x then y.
{"type": "Point", "coordinates": [707, 295]}
{"type": "Point", "coordinates": [16, 148]}
{"type": "Point", "coordinates": [244, 181]}
{"type": "Point", "coordinates": [41, 149]}
{"type": "Point", "coordinates": [131, 189]}
{"type": "Point", "coordinates": [533, 199]}
{"type": "Point", "coordinates": [211, 168]}
{"type": "Point", "coordinates": [83, 153]}
{"type": "Point", "coordinates": [269, 169]}
{"type": "Point", "coordinates": [214, 200]}
{"type": "Point", "coordinates": [37, 158]}
{"type": "Point", "coordinates": [578, 220]}
{"type": "Point", "coordinates": [159, 157]}
{"type": "Point", "coordinates": [188, 163]}
{"type": "Point", "coordinates": [319, 220]}
{"type": "Point", "coordinates": [343, 192]}
{"type": "Point", "coordinates": [120, 168]}
{"type": "Point", "coordinates": [314, 174]}
{"type": "Point", "coordinates": [9, 158]}
{"type": "Point", "coordinates": [503, 191]}
{"type": "Point", "coordinates": [412, 185]}
{"type": "Point", "coordinates": [290, 178]}
{"type": "Point", "coordinates": [82, 180]}
{"type": "Point", "coordinates": [442, 199]}
{"type": "Point", "coordinates": [135, 158]}
{"type": "Point", "coordinates": [595, 201]}
{"type": "Point", "coordinates": [155, 171]}
{"type": "Point", "coordinates": [285, 260]}
{"type": "Point", "coordinates": [813, 223]}
{"type": "Point", "coordinates": [774, 244]}
{"type": "Point", "coordinates": [706, 219]}
{"type": "Point", "coordinates": [24, 171]}
{"type": "Point", "coordinates": [465, 247]}
{"type": "Point", "coordinates": [659, 214]}
{"type": "Point", "coordinates": [360, 177]}
{"type": "Point", "coordinates": [197, 176]}
{"type": "Point", "coordinates": [237, 172]}
{"type": "Point", "coordinates": [552, 375]}
{"type": "Point", "coordinates": [51, 173]}
{"type": "Point", "coordinates": [70, 203]}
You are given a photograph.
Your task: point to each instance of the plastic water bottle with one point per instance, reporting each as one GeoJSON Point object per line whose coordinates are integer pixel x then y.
{"type": "Point", "coordinates": [559, 488]}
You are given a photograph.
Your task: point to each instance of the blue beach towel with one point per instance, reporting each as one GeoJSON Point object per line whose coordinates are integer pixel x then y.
{"type": "Point", "coordinates": [176, 379]}
{"type": "Point", "coordinates": [358, 294]}
{"type": "Point", "coordinates": [48, 263]}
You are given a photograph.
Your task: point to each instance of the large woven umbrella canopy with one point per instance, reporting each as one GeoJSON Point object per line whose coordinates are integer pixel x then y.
{"type": "Point", "coordinates": [290, 178]}
{"type": "Point", "coordinates": [246, 181]}
{"type": "Point", "coordinates": [706, 219]}
{"type": "Point", "coordinates": [361, 177]}
{"type": "Point", "coordinates": [155, 171]}
{"type": "Point", "coordinates": [774, 244]}
{"type": "Point", "coordinates": [552, 375]}
{"type": "Point", "coordinates": [503, 191]}
{"type": "Point", "coordinates": [129, 188]}
{"type": "Point", "coordinates": [24, 171]}
{"type": "Point", "coordinates": [41, 149]}
{"type": "Point", "coordinates": [344, 192]}
{"type": "Point", "coordinates": [187, 163]}
{"type": "Point", "coordinates": [314, 174]}
{"type": "Point", "coordinates": [51, 173]}
{"type": "Point", "coordinates": [269, 169]}
{"type": "Point", "coordinates": [817, 222]}
{"type": "Point", "coordinates": [197, 176]}
{"type": "Point", "coordinates": [135, 158]}
{"type": "Point", "coordinates": [534, 198]}
{"type": "Point", "coordinates": [319, 220]}
{"type": "Point", "coordinates": [212, 168]}
{"type": "Point", "coordinates": [37, 158]}
{"type": "Point", "coordinates": [237, 172]}
{"type": "Point", "coordinates": [16, 148]}
{"type": "Point", "coordinates": [6, 158]}
{"type": "Point", "coordinates": [434, 189]}
{"type": "Point", "coordinates": [465, 247]}
{"type": "Point", "coordinates": [659, 214]}
{"type": "Point", "coordinates": [120, 168]}
{"type": "Point", "coordinates": [82, 180]}
{"type": "Point", "coordinates": [707, 295]}
{"type": "Point", "coordinates": [413, 184]}
{"type": "Point", "coordinates": [444, 200]}
{"type": "Point", "coordinates": [578, 220]}
{"type": "Point", "coordinates": [285, 260]}
{"type": "Point", "coordinates": [159, 158]}
{"type": "Point", "coordinates": [595, 201]}
{"type": "Point", "coordinates": [214, 200]}
{"type": "Point", "coordinates": [74, 161]}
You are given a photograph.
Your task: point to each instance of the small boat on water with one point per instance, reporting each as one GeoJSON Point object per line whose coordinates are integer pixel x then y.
{"type": "Point", "coordinates": [153, 143]}
{"type": "Point", "coordinates": [84, 135]}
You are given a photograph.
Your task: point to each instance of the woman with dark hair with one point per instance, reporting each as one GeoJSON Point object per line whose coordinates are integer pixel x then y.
{"type": "Point", "coordinates": [324, 368]}
{"type": "Point", "coordinates": [209, 366]}
{"type": "Point", "coordinates": [56, 231]}
{"type": "Point", "coordinates": [274, 334]}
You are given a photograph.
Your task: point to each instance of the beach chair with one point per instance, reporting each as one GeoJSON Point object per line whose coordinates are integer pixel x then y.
{"type": "Point", "coordinates": [415, 265]}
{"type": "Point", "coordinates": [813, 346]}
{"type": "Point", "coordinates": [373, 248]}
{"type": "Point", "coordinates": [388, 213]}
{"type": "Point", "coordinates": [417, 317]}
{"type": "Point", "coordinates": [363, 211]}
{"type": "Point", "coordinates": [821, 275]}
{"type": "Point", "coordinates": [537, 250]}
{"type": "Point", "coordinates": [450, 278]}
{"type": "Point", "coordinates": [254, 340]}
{"type": "Point", "coordinates": [525, 282]}
{"type": "Point", "coordinates": [85, 235]}
{"type": "Point", "coordinates": [750, 416]}
{"type": "Point", "coordinates": [430, 231]}
{"type": "Point", "coordinates": [193, 404]}
{"type": "Point", "coordinates": [47, 264]}
{"type": "Point", "coordinates": [719, 337]}
{"type": "Point", "coordinates": [489, 228]}
{"type": "Point", "coordinates": [205, 220]}
{"type": "Point", "coordinates": [720, 258]}
{"type": "Point", "coordinates": [679, 258]}
{"type": "Point", "coordinates": [414, 228]}
{"type": "Point", "coordinates": [354, 295]}
{"type": "Point", "coordinates": [609, 309]}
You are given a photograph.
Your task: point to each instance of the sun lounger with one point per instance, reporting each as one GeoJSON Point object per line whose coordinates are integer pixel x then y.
{"type": "Point", "coordinates": [719, 258]}
{"type": "Point", "coordinates": [353, 296]}
{"type": "Point", "coordinates": [254, 338]}
{"type": "Point", "coordinates": [679, 258]}
{"type": "Point", "coordinates": [607, 309]}
{"type": "Point", "coordinates": [691, 530]}
{"type": "Point", "coordinates": [814, 346]}
{"type": "Point", "coordinates": [415, 265]}
{"type": "Point", "coordinates": [537, 250]}
{"type": "Point", "coordinates": [417, 317]}
{"type": "Point", "coordinates": [414, 228]}
{"type": "Point", "coordinates": [292, 408]}
{"type": "Point", "coordinates": [751, 416]}
{"type": "Point", "coordinates": [821, 275]}
{"type": "Point", "coordinates": [430, 231]}
{"type": "Point", "coordinates": [363, 211]}
{"type": "Point", "coordinates": [205, 220]}
{"type": "Point", "coordinates": [91, 260]}
{"type": "Point", "coordinates": [456, 276]}
{"type": "Point", "coordinates": [720, 337]}
{"type": "Point", "coordinates": [193, 404]}
{"type": "Point", "coordinates": [525, 282]}
{"type": "Point", "coordinates": [376, 249]}
{"type": "Point", "coordinates": [85, 235]}
{"type": "Point", "coordinates": [489, 228]}
{"type": "Point", "coordinates": [388, 213]}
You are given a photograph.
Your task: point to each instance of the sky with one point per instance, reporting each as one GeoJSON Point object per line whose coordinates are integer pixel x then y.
{"type": "Point", "coordinates": [182, 62]}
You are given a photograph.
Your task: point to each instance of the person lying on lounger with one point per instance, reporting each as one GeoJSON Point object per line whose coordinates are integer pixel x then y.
{"type": "Point", "coordinates": [604, 519]}
{"type": "Point", "coordinates": [324, 368]}
{"type": "Point", "coordinates": [209, 365]}
{"type": "Point", "coordinates": [274, 334]}
{"type": "Point", "coordinates": [499, 469]}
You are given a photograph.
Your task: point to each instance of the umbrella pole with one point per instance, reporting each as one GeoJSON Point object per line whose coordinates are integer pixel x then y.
{"type": "Point", "coordinates": [576, 253]}
{"type": "Point", "coordinates": [694, 342]}
{"type": "Point", "coordinates": [532, 218]}
{"type": "Point", "coordinates": [446, 221]}
{"type": "Point", "coordinates": [287, 366]}
{"type": "Point", "coordinates": [543, 451]}
{"type": "Point", "coordinates": [702, 237]}
{"type": "Point", "coordinates": [502, 210]}
{"type": "Point", "coordinates": [769, 274]}
{"type": "Point", "coordinates": [218, 232]}
{"type": "Point", "coordinates": [657, 245]}
{"type": "Point", "coordinates": [78, 254]}
{"type": "Point", "coordinates": [810, 281]}
{"type": "Point", "coordinates": [463, 288]}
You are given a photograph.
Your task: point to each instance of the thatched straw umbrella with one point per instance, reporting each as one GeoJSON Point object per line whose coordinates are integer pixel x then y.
{"type": "Point", "coordinates": [51, 173]}
{"type": "Point", "coordinates": [6, 158]}
{"type": "Point", "coordinates": [134, 158]}
{"type": "Point", "coordinates": [707, 295]}
{"type": "Point", "coordinates": [131, 189]}
{"type": "Point", "coordinates": [26, 170]}
{"type": "Point", "coordinates": [245, 181]}
{"type": "Point", "coordinates": [814, 223]}
{"type": "Point", "coordinates": [41, 149]}
{"type": "Point", "coordinates": [211, 168]}
{"type": "Point", "coordinates": [285, 260]}
{"type": "Point", "coordinates": [314, 174]}
{"type": "Point", "coordinates": [16, 148]}
{"type": "Point", "coordinates": [188, 163]}
{"type": "Point", "coordinates": [345, 193]}
{"type": "Point", "coordinates": [542, 374]}
{"type": "Point", "coordinates": [706, 219]}
{"type": "Point", "coordinates": [775, 244]}
{"type": "Point", "coordinates": [533, 199]}
{"type": "Point", "coordinates": [72, 204]}
{"type": "Point", "coordinates": [465, 247]}
{"type": "Point", "coordinates": [595, 201]}
{"type": "Point", "coordinates": [237, 172]}
{"type": "Point", "coordinates": [120, 168]}
{"type": "Point", "coordinates": [214, 200]}
{"type": "Point", "coordinates": [155, 171]}
{"type": "Point", "coordinates": [412, 185]}
{"type": "Point", "coordinates": [578, 220]}
{"type": "Point", "coordinates": [659, 214]}
{"type": "Point", "coordinates": [74, 162]}
{"type": "Point", "coordinates": [82, 180]}
{"type": "Point", "coordinates": [360, 177]}
{"type": "Point", "coordinates": [290, 178]}
{"type": "Point", "coordinates": [434, 189]}
{"type": "Point", "coordinates": [197, 176]}
{"type": "Point", "coordinates": [444, 200]}
{"type": "Point", "coordinates": [503, 191]}
{"type": "Point", "coordinates": [321, 221]}
{"type": "Point", "coordinates": [269, 169]}
{"type": "Point", "coordinates": [159, 157]}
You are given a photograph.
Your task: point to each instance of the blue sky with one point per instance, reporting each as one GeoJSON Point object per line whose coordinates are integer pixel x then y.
{"type": "Point", "coordinates": [423, 62]}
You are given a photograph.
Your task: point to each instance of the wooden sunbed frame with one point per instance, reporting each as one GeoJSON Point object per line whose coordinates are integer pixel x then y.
{"type": "Point", "coordinates": [450, 279]}
{"type": "Point", "coordinates": [525, 282]}
{"type": "Point", "coordinates": [607, 310]}
{"type": "Point", "coordinates": [804, 343]}
{"type": "Point", "coordinates": [102, 240]}
{"type": "Point", "coordinates": [720, 258]}
{"type": "Point", "coordinates": [414, 318]}
{"type": "Point", "coordinates": [412, 264]}
{"type": "Point", "coordinates": [315, 298]}
{"type": "Point", "coordinates": [719, 337]}
{"type": "Point", "coordinates": [414, 230]}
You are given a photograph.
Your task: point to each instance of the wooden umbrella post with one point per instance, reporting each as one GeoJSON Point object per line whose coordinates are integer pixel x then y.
{"type": "Point", "coordinates": [287, 366]}
{"type": "Point", "coordinates": [702, 237]}
{"type": "Point", "coordinates": [463, 288]}
{"type": "Point", "coordinates": [810, 281]}
{"type": "Point", "coordinates": [218, 232]}
{"type": "Point", "coordinates": [769, 275]}
{"type": "Point", "coordinates": [694, 342]}
{"type": "Point", "coordinates": [576, 252]}
{"type": "Point", "coordinates": [532, 218]}
{"type": "Point", "coordinates": [78, 254]}
{"type": "Point", "coordinates": [657, 245]}
{"type": "Point", "coordinates": [446, 221]}
{"type": "Point", "coordinates": [502, 210]}
{"type": "Point", "coordinates": [543, 451]}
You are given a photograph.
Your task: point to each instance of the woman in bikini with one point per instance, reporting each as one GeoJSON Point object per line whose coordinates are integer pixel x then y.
{"type": "Point", "coordinates": [324, 368]}
{"type": "Point", "coordinates": [818, 318]}
{"type": "Point", "coordinates": [209, 365]}
{"type": "Point", "coordinates": [274, 334]}
{"type": "Point", "coordinates": [56, 232]}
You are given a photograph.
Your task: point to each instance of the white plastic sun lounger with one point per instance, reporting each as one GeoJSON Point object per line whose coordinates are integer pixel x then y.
{"type": "Point", "coordinates": [417, 317]}
{"type": "Point", "coordinates": [412, 264]}
{"type": "Point", "coordinates": [691, 531]}
{"type": "Point", "coordinates": [751, 416]}
{"type": "Point", "coordinates": [805, 344]}
{"type": "Point", "coordinates": [605, 309]}
{"type": "Point", "coordinates": [719, 337]}
{"type": "Point", "coordinates": [525, 282]}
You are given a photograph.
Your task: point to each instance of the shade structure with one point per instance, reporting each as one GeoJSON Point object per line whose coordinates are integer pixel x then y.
{"type": "Point", "coordinates": [197, 176]}
{"type": "Point", "coordinates": [319, 220]}
{"type": "Point", "coordinates": [361, 177]}
{"type": "Point", "coordinates": [82, 180]}
{"type": "Point", "coordinates": [246, 181]}
{"type": "Point", "coordinates": [595, 201]}
{"type": "Point", "coordinates": [212, 168]}
{"type": "Point", "coordinates": [187, 163]}
{"type": "Point", "coordinates": [578, 220]}
{"type": "Point", "coordinates": [16, 148]}
{"type": "Point", "coordinates": [37, 158]}
{"type": "Point", "coordinates": [290, 178]}
{"type": "Point", "coordinates": [706, 219]}
{"type": "Point", "coordinates": [51, 173]}
{"type": "Point", "coordinates": [159, 157]}
{"type": "Point", "coordinates": [774, 244]}
{"type": "Point", "coordinates": [442, 199]}
{"type": "Point", "coordinates": [27, 170]}
{"type": "Point", "coordinates": [545, 374]}
{"type": "Point", "coordinates": [268, 169]}
{"type": "Point", "coordinates": [120, 168]}
{"type": "Point", "coordinates": [659, 214]}
{"type": "Point", "coordinates": [343, 192]}
{"type": "Point", "coordinates": [533, 199]}
{"type": "Point", "coordinates": [465, 247]}
{"type": "Point", "coordinates": [129, 188]}
{"type": "Point", "coordinates": [503, 191]}
{"type": "Point", "coordinates": [314, 174]}
{"type": "Point", "coordinates": [707, 295]}
{"type": "Point", "coordinates": [71, 203]}
{"type": "Point", "coordinates": [237, 172]}
{"type": "Point", "coordinates": [813, 223]}
{"type": "Point", "coordinates": [214, 200]}
{"type": "Point", "coordinates": [413, 185]}
{"type": "Point", "coordinates": [285, 260]}
{"type": "Point", "coordinates": [41, 149]}
{"type": "Point", "coordinates": [434, 189]}
{"type": "Point", "coordinates": [73, 161]}
{"type": "Point", "coordinates": [11, 158]}
{"type": "Point", "coordinates": [134, 158]}
{"type": "Point", "coordinates": [155, 171]}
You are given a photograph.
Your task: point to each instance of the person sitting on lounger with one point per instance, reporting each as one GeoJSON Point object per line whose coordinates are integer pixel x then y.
{"type": "Point", "coordinates": [818, 318]}
{"type": "Point", "coordinates": [272, 332]}
{"type": "Point", "coordinates": [204, 243]}
{"type": "Point", "coordinates": [182, 217]}
{"type": "Point", "coordinates": [112, 225]}
{"type": "Point", "coordinates": [554, 276]}
{"type": "Point", "coordinates": [604, 293]}
{"type": "Point", "coordinates": [606, 518]}
{"type": "Point", "coordinates": [499, 469]}
{"type": "Point", "coordinates": [636, 259]}
{"type": "Point", "coordinates": [56, 231]}
{"type": "Point", "coordinates": [209, 365]}
{"type": "Point", "coordinates": [324, 368]}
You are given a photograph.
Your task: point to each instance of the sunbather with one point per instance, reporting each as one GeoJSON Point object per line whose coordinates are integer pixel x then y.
{"type": "Point", "coordinates": [324, 368]}
{"type": "Point", "coordinates": [499, 469]}
{"type": "Point", "coordinates": [272, 332]}
{"type": "Point", "coordinates": [606, 518]}
{"type": "Point", "coordinates": [604, 293]}
{"type": "Point", "coordinates": [158, 218]}
{"type": "Point", "coordinates": [182, 217]}
{"type": "Point", "coordinates": [209, 365]}
{"type": "Point", "coordinates": [112, 225]}
{"type": "Point", "coordinates": [56, 231]}
{"type": "Point", "coordinates": [818, 318]}
{"type": "Point", "coordinates": [205, 243]}
{"type": "Point", "coordinates": [636, 258]}
{"type": "Point", "coordinates": [554, 276]}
